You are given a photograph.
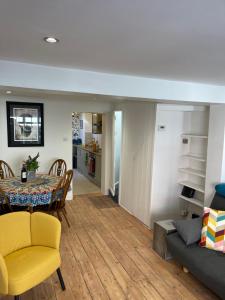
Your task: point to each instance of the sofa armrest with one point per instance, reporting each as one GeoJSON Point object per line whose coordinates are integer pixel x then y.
{"type": "Point", "coordinates": [3, 277]}
{"type": "Point", "coordinates": [45, 230]}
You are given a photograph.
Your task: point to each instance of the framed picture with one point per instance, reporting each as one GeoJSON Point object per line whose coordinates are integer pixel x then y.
{"type": "Point", "coordinates": [25, 123]}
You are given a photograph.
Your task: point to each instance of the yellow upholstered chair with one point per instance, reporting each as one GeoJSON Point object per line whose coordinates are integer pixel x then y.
{"type": "Point", "coordinates": [29, 251]}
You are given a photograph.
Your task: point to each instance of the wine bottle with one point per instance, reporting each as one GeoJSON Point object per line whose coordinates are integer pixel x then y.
{"type": "Point", "coordinates": [24, 174]}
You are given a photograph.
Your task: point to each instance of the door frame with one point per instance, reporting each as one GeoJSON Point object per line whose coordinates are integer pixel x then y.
{"type": "Point", "coordinates": [113, 152]}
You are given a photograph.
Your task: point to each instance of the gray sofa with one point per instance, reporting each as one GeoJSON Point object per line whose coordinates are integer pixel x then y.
{"type": "Point", "coordinates": [207, 265]}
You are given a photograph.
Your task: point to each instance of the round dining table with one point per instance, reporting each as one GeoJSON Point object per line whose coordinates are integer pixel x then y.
{"type": "Point", "coordinates": [37, 191]}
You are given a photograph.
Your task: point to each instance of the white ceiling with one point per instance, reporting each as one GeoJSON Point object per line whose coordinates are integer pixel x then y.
{"type": "Point", "coordinates": [170, 39]}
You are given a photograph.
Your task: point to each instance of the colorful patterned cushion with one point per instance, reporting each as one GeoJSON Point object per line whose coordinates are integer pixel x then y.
{"type": "Point", "coordinates": [213, 230]}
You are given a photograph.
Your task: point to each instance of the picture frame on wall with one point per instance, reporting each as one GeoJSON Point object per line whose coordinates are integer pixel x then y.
{"type": "Point", "coordinates": [25, 124]}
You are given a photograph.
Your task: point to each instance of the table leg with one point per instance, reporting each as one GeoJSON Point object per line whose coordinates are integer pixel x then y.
{"type": "Point", "coordinates": [30, 209]}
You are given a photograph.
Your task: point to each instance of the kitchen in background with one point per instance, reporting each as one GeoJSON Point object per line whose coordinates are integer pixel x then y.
{"type": "Point", "coordinates": [87, 144]}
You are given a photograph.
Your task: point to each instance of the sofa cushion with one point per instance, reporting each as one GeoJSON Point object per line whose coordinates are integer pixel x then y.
{"type": "Point", "coordinates": [189, 230]}
{"type": "Point", "coordinates": [30, 266]}
{"type": "Point", "coordinates": [213, 230]}
{"type": "Point", "coordinates": [15, 232]}
{"type": "Point", "coordinates": [207, 265]}
{"type": "Point", "coordinates": [218, 202]}
{"type": "Point", "coordinates": [220, 189]}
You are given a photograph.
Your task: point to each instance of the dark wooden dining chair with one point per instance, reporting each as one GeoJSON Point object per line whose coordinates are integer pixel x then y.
{"type": "Point", "coordinates": [5, 206]}
{"type": "Point", "coordinates": [58, 201]}
{"type": "Point", "coordinates": [5, 170]}
{"type": "Point", "coordinates": [58, 168]}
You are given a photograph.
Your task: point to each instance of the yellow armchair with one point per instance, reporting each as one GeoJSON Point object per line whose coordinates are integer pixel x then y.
{"type": "Point", "coordinates": [29, 251]}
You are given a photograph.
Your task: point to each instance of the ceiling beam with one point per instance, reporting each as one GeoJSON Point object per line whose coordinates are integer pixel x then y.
{"type": "Point", "coordinates": [23, 75]}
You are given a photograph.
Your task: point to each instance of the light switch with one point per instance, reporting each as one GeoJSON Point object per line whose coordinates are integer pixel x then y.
{"type": "Point", "coordinates": [161, 127]}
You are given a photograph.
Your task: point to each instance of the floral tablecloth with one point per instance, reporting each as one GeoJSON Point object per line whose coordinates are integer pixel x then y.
{"type": "Point", "coordinates": [32, 193]}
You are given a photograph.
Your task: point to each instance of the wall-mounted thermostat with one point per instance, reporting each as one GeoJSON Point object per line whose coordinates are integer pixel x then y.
{"type": "Point", "coordinates": [185, 141]}
{"type": "Point", "coordinates": [161, 127]}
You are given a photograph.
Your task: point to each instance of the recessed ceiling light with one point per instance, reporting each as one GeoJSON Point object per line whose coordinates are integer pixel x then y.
{"type": "Point", "coordinates": [50, 39]}
{"type": "Point", "coordinates": [8, 92]}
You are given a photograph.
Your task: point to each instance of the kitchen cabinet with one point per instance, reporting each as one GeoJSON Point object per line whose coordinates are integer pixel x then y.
{"type": "Point", "coordinates": [83, 166]}
{"type": "Point", "coordinates": [97, 123]}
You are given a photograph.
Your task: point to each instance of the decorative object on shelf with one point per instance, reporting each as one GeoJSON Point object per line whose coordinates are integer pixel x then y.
{"type": "Point", "coordinates": [188, 192]}
{"type": "Point", "coordinates": [25, 123]}
{"type": "Point", "coordinates": [32, 165]}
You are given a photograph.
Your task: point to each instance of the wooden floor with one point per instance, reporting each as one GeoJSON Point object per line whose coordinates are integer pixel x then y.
{"type": "Point", "coordinates": [106, 254]}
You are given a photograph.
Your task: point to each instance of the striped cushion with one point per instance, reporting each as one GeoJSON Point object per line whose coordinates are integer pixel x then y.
{"type": "Point", "coordinates": [213, 230]}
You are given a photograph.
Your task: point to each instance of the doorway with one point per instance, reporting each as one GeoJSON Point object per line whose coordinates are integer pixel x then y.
{"type": "Point", "coordinates": [87, 152]}
{"type": "Point", "coordinates": [116, 154]}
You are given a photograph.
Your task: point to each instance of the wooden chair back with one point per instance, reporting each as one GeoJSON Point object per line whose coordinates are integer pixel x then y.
{"type": "Point", "coordinates": [4, 203]}
{"type": "Point", "coordinates": [5, 170]}
{"type": "Point", "coordinates": [59, 194]}
{"type": "Point", "coordinates": [58, 168]}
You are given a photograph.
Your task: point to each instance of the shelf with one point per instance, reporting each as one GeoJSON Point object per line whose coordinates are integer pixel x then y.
{"type": "Point", "coordinates": [193, 172]}
{"type": "Point", "coordinates": [195, 157]}
{"type": "Point", "coordinates": [197, 187]}
{"type": "Point", "coordinates": [194, 136]}
{"type": "Point", "coordinates": [192, 200]}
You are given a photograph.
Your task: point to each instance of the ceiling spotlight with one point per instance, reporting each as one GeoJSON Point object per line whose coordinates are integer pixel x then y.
{"type": "Point", "coordinates": [8, 92]}
{"type": "Point", "coordinates": [51, 40]}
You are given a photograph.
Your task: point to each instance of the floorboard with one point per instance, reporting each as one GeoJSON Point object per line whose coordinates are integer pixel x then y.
{"type": "Point", "coordinates": [107, 254]}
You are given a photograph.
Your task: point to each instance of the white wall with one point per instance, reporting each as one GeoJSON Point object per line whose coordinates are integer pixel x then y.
{"type": "Point", "coordinates": [166, 158]}
{"type": "Point", "coordinates": [57, 127]}
{"type": "Point", "coordinates": [138, 129]}
{"type": "Point", "coordinates": [215, 170]}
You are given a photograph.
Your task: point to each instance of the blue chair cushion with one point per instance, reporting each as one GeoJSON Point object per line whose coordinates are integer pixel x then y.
{"type": "Point", "coordinates": [220, 189]}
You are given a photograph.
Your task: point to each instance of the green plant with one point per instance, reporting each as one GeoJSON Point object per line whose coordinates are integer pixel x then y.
{"type": "Point", "coordinates": [31, 163]}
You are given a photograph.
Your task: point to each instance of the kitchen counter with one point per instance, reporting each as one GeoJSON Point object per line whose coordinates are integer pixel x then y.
{"type": "Point", "coordinates": [88, 150]}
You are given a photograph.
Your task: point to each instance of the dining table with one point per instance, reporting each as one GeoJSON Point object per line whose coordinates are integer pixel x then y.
{"type": "Point", "coordinates": [37, 191]}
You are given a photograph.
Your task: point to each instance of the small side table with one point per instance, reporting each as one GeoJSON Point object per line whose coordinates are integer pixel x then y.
{"type": "Point", "coordinates": [160, 231]}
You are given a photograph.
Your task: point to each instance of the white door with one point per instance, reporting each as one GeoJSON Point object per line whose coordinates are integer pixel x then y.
{"type": "Point", "coordinates": [137, 143]}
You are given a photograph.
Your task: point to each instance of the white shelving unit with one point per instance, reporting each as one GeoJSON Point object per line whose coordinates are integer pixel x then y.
{"type": "Point", "coordinates": [191, 171]}
{"type": "Point", "coordinates": [197, 187]}
{"type": "Point", "coordinates": [196, 157]}
{"type": "Point", "coordinates": [190, 135]}
{"type": "Point", "coordinates": [180, 159]}
{"type": "Point", "coordinates": [192, 167]}
{"type": "Point", "coordinates": [193, 201]}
